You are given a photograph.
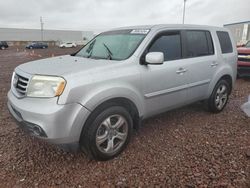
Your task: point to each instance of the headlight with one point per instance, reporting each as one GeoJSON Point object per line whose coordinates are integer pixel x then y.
{"type": "Point", "coordinates": [45, 86]}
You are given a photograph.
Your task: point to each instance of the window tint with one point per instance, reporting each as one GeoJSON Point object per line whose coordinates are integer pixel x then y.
{"type": "Point", "coordinates": [225, 42]}
{"type": "Point", "coordinates": [199, 43]}
{"type": "Point", "coordinates": [169, 44]}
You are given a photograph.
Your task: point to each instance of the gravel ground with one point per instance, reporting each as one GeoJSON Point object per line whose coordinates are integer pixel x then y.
{"type": "Point", "coordinates": [187, 147]}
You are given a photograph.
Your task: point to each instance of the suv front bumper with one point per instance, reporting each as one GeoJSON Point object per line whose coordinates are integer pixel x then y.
{"type": "Point", "coordinates": [45, 119]}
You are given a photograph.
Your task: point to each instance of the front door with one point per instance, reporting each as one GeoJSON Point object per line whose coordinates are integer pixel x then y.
{"type": "Point", "coordinates": [165, 86]}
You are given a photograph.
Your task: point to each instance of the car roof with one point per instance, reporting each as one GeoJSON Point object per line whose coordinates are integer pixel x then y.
{"type": "Point", "coordinates": [170, 26]}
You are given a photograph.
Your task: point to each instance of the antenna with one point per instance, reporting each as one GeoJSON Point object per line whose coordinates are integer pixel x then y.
{"type": "Point", "coordinates": [184, 11]}
{"type": "Point", "coordinates": [41, 21]}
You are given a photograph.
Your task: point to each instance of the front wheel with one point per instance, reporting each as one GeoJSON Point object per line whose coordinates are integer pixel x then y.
{"type": "Point", "coordinates": [107, 133]}
{"type": "Point", "coordinates": [219, 97]}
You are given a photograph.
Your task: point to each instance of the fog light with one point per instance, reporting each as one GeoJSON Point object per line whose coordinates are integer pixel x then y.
{"type": "Point", "coordinates": [34, 129]}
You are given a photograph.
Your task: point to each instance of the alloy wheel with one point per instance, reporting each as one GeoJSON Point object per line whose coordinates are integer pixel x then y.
{"type": "Point", "coordinates": [112, 134]}
{"type": "Point", "coordinates": [221, 97]}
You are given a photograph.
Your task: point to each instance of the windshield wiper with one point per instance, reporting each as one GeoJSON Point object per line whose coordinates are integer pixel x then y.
{"type": "Point", "coordinates": [110, 54]}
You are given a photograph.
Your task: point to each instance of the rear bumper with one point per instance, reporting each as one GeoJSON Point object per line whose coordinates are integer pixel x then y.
{"type": "Point", "coordinates": [45, 119]}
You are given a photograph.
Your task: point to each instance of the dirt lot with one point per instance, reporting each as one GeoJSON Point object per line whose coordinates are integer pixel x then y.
{"type": "Point", "coordinates": [188, 147]}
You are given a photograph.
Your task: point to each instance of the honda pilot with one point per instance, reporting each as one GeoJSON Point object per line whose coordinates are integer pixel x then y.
{"type": "Point", "coordinates": [94, 98]}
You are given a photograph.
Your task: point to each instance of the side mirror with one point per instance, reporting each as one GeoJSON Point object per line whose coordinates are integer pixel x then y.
{"type": "Point", "coordinates": [154, 58]}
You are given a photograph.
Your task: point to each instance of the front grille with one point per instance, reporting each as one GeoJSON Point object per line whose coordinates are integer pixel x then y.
{"type": "Point", "coordinates": [244, 57]}
{"type": "Point", "coordinates": [20, 83]}
{"type": "Point", "coordinates": [243, 53]}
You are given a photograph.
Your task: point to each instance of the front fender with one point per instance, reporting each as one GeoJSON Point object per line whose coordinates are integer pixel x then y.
{"type": "Point", "coordinates": [97, 97]}
{"type": "Point", "coordinates": [92, 96]}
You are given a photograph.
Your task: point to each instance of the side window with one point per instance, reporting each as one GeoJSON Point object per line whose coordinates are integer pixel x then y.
{"type": "Point", "coordinates": [210, 43]}
{"type": "Point", "coordinates": [225, 42]}
{"type": "Point", "coordinates": [199, 43]}
{"type": "Point", "coordinates": [169, 44]}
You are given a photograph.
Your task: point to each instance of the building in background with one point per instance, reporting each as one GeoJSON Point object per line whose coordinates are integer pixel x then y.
{"type": "Point", "coordinates": [240, 31]}
{"type": "Point", "coordinates": [16, 36]}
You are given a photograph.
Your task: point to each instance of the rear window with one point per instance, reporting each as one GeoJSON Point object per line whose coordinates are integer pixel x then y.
{"type": "Point", "coordinates": [199, 43]}
{"type": "Point", "coordinates": [225, 42]}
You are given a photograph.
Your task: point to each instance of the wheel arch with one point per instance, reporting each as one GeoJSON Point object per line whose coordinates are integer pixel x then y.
{"type": "Point", "coordinates": [229, 79]}
{"type": "Point", "coordinates": [128, 104]}
{"type": "Point", "coordinates": [226, 74]}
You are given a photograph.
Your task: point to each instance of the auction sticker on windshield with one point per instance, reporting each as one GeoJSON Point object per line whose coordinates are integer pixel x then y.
{"type": "Point", "coordinates": [140, 31]}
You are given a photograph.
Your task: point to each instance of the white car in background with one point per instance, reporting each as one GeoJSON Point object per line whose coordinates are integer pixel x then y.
{"type": "Point", "coordinates": [68, 45]}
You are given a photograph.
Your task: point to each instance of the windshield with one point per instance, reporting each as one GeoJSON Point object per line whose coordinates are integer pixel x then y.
{"type": "Point", "coordinates": [114, 45]}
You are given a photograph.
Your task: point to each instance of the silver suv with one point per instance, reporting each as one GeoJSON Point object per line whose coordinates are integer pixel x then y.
{"type": "Point", "coordinates": [97, 96]}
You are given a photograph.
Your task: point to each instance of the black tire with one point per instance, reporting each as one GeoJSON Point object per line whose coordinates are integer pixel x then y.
{"type": "Point", "coordinates": [3, 48]}
{"type": "Point", "coordinates": [89, 135]}
{"type": "Point", "coordinates": [212, 102]}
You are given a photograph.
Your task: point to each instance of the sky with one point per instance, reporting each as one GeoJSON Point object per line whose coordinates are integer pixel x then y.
{"type": "Point", "coordinates": [106, 14]}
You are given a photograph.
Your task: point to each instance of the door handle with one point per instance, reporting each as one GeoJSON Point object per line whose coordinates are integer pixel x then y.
{"type": "Point", "coordinates": [214, 64]}
{"type": "Point", "coordinates": [181, 71]}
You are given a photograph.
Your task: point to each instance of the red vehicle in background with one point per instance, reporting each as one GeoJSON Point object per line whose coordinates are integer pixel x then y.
{"type": "Point", "coordinates": [244, 60]}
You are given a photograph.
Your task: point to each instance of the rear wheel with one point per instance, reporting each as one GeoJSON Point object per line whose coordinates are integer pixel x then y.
{"type": "Point", "coordinates": [219, 97]}
{"type": "Point", "coordinates": [107, 133]}
{"type": "Point", "coordinates": [2, 47]}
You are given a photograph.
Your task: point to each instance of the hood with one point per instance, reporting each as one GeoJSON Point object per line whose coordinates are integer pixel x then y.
{"type": "Point", "coordinates": [62, 65]}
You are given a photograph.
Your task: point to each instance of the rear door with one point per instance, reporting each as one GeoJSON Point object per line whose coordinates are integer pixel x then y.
{"type": "Point", "coordinates": [201, 62]}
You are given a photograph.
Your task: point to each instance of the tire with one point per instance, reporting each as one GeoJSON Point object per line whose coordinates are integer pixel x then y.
{"type": "Point", "coordinates": [106, 133]}
{"type": "Point", "coordinates": [2, 48]}
{"type": "Point", "coordinates": [219, 97]}
{"type": "Point", "coordinates": [31, 47]}
{"type": "Point", "coordinates": [43, 47]}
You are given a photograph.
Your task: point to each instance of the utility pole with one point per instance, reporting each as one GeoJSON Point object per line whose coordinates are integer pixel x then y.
{"type": "Point", "coordinates": [184, 11]}
{"type": "Point", "coordinates": [41, 21]}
